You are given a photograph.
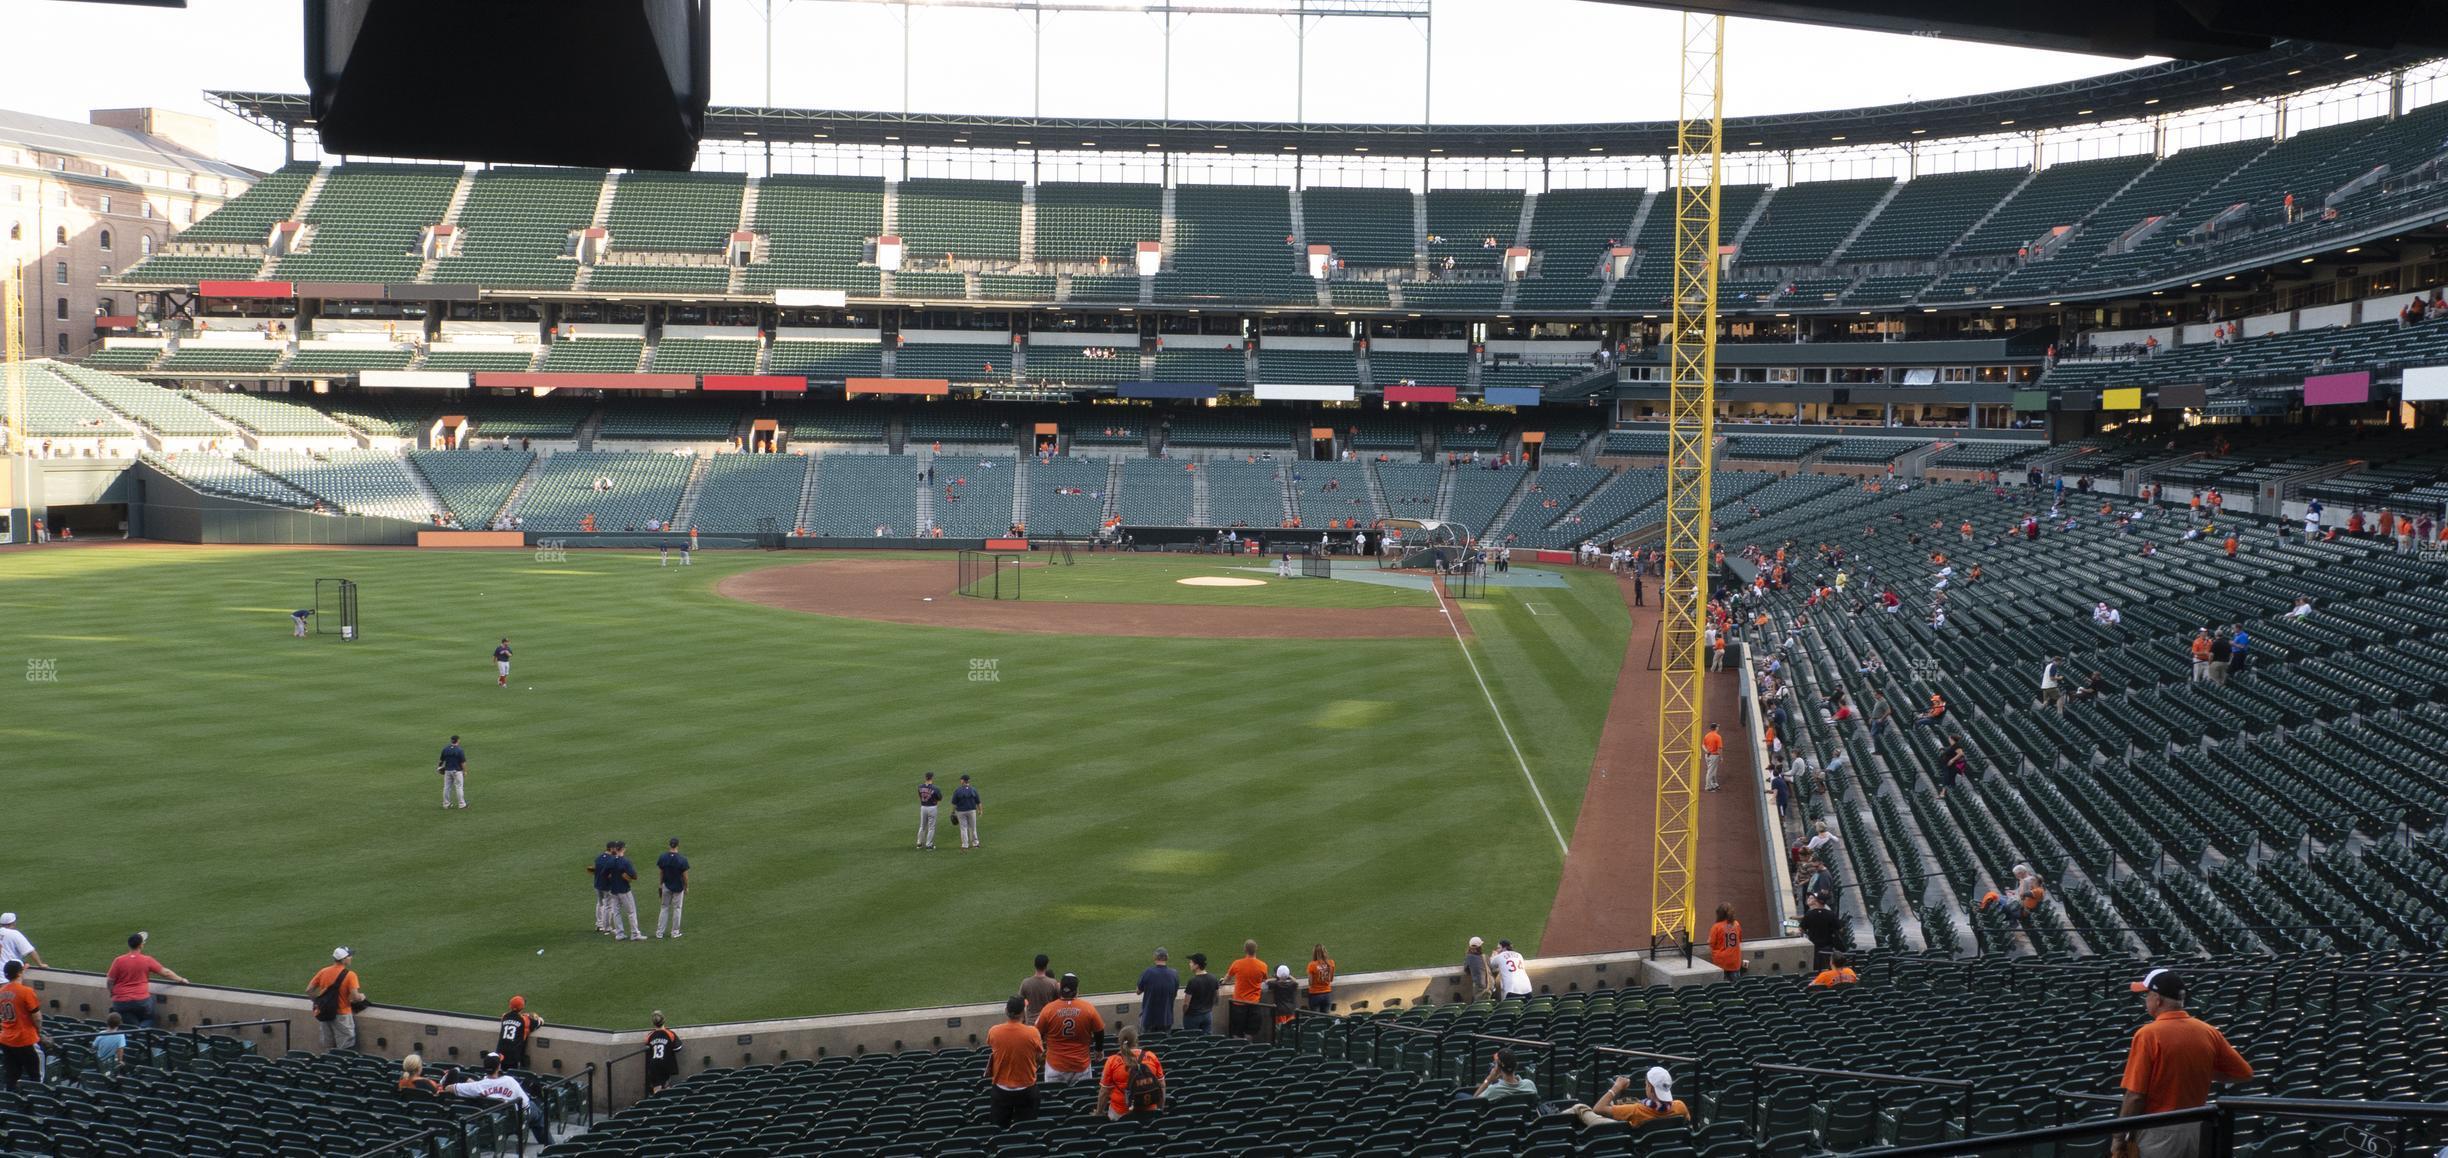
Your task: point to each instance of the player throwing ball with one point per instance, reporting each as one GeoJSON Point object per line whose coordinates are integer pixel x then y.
{"type": "Point", "coordinates": [501, 662]}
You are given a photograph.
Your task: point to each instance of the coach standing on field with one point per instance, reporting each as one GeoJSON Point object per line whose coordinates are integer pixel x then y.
{"type": "Point", "coordinates": [673, 889]}
{"type": "Point", "coordinates": [453, 767]}
{"type": "Point", "coordinates": [964, 813]}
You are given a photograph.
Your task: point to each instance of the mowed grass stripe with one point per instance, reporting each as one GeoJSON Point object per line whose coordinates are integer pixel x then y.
{"type": "Point", "coordinates": [253, 800]}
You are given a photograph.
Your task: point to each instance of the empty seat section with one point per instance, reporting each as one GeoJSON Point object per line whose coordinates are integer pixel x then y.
{"type": "Point", "coordinates": [515, 228]}
{"type": "Point", "coordinates": [473, 484]}
{"type": "Point", "coordinates": [705, 355]}
{"type": "Point", "coordinates": [1155, 493]}
{"type": "Point", "coordinates": [1066, 497]}
{"type": "Point", "coordinates": [2059, 196]}
{"type": "Point", "coordinates": [1426, 369]}
{"type": "Point", "coordinates": [222, 474]}
{"type": "Point", "coordinates": [267, 414]}
{"type": "Point", "coordinates": [1366, 227]}
{"type": "Point", "coordinates": [1929, 213]}
{"type": "Point", "coordinates": [1085, 221]}
{"type": "Point", "coordinates": [1230, 243]}
{"type": "Point", "coordinates": [1410, 488]}
{"type": "Point", "coordinates": [955, 361]}
{"type": "Point", "coordinates": [817, 231]}
{"type": "Point", "coordinates": [571, 485]}
{"type": "Point", "coordinates": [826, 359]}
{"type": "Point", "coordinates": [1805, 221]}
{"type": "Point", "coordinates": [958, 219]}
{"type": "Point", "coordinates": [361, 482]}
{"type": "Point", "coordinates": [857, 493]}
{"type": "Point", "coordinates": [149, 406]}
{"type": "Point", "coordinates": [1223, 367]}
{"type": "Point", "coordinates": [366, 222]}
{"type": "Point", "coordinates": [1338, 367]}
{"type": "Point", "coordinates": [1244, 494]}
{"type": "Point", "coordinates": [594, 355]}
{"type": "Point", "coordinates": [668, 420]}
{"type": "Point", "coordinates": [741, 490]}
{"type": "Point", "coordinates": [248, 218]}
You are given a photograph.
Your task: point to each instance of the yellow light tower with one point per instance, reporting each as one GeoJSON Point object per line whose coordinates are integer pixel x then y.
{"type": "Point", "coordinates": [1691, 427]}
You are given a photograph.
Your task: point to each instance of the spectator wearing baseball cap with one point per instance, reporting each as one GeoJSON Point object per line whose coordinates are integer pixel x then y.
{"type": "Point", "coordinates": [1475, 968]}
{"type": "Point", "coordinates": [337, 998]}
{"type": "Point", "coordinates": [2174, 1058]}
{"type": "Point", "coordinates": [14, 946]}
{"type": "Point", "coordinates": [1656, 1101]}
{"type": "Point", "coordinates": [1074, 1035]}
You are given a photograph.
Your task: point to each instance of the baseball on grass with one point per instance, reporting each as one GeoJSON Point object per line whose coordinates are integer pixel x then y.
{"type": "Point", "coordinates": [539, 952]}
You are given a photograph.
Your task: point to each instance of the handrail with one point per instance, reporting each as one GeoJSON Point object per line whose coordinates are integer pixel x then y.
{"type": "Point", "coordinates": [611, 1088]}
{"type": "Point", "coordinates": [1965, 1088]}
{"type": "Point", "coordinates": [1546, 1053]}
{"type": "Point", "coordinates": [415, 1144]}
{"type": "Point", "coordinates": [2208, 1117]}
{"type": "Point", "coordinates": [212, 1026]}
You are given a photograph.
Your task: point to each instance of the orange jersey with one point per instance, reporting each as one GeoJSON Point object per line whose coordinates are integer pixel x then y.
{"type": "Point", "coordinates": [20, 1015]}
{"type": "Point", "coordinates": [1321, 976]}
{"type": "Point", "coordinates": [2173, 1059]}
{"type": "Point", "coordinates": [1249, 976]}
{"type": "Point", "coordinates": [1725, 945]}
{"type": "Point", "coordinates": [1068, 1027]}
{"type": "Point", "coordinates": [1712, 743]}
{"type": "Point", "coordinates": [1116, 1081]}
{"type": "Point", "coordinates": [1016, 1047]}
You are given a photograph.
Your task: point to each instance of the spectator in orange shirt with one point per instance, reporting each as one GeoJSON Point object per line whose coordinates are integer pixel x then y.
{"type": "Point", "coordinates": [1712, 748]}
{"type": "Point", "coordinates": [20, 1030]}
{"type": "Point", "coordinates": [1074, 1034]}
{"type": "Point", "coordinates": [2201, 655]}
{"type": "Point", "coordinates": [1013, 1050]}
{"type": "Point", "coordinates": [1249, 975]}
{"type": "Point", "coordinates": [1658, 1102]}
{"type": "Point", "coordinates": [1321, 980]}
{"type": "Point", "coordinates": [1725, 942]}
{"type": "Point", "coordinates": [337, 999]}
{"type": "Point", "coordinates": [2173, 1060]}
{"type": "Point", "coordinates": [1134, 1080]}
{"type": "Point", "coordinates": [1839, 972]}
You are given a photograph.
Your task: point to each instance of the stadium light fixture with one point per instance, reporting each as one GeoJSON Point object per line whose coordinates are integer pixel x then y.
{"type": "Point", "coordinates": [1219, 146]}
{"type": "Point", "coordinates": [1359, 148]}
{"type": "Point", "coordinates": [1915, 132]}
{"type": "Point", "coordinates": [2355, 249]}
{"type": "Point", "coordinates": [2056, 303]}
{"type": "Point", "coordinates": [1837, 137]}
{"type": "Point", "coordinates": [748, 132]}
{"type": "Point", "coordinates": [2195, 285]}
{"type": "Point", "coordinates": [1865, 313]}
{"type": "Point", "coordinates": [2150, 100]}
{"type": "Point", "coordinates": [2294, 72]}
{"type": "Point", "coordinates": [2229, 277]}
{"type": "Point", "coordinates": [2007, 121]}
{"type": "Point", "coordinates": [2226, 87]}
{"type": "Point", "coordinates": [1597, 148]}
{"type": "Point", "coordinates": [1997, 307]}
{"type": "Point", "coordinates": [1155, 144]}
{"type": "Point", "coordinates": [2350, 56]}
{"type": "Point", "coordinates": [2077, 112]}
{"type": "Point", "coordinates": [2306, 261]}
{"type": "Point", "coordinates": [1087, 144]}
{"type": "Point", "coordinates": [892, 138]}
{"type": "Point", "coordinates": [960, 140]}
{"type": "Point", "coordinates": [1929, 309]}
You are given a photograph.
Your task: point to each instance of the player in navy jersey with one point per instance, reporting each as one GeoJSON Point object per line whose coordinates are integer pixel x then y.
{"type": "Point", "coordinates": [501, 661]}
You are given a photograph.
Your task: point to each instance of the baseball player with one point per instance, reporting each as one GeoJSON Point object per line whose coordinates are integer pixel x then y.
{"type": "Point", "coordinates": [928, 797]}
{"type": "Point", "coordinates": [602, 869]}
{"type": "Point", "coordinates": [453, 767]}
{"type": "Point", "coordinates": [297, 621]}
{"type": "Point", "coordinates": [501, 661]}
{"type": "Point", "coordinates": [620, 902]}
{"type": "Point", "coordinates": [964, 813]}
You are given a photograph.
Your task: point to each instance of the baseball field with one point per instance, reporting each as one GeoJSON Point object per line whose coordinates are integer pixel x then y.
{"type": "Point", "coordinates": [1162, 764]}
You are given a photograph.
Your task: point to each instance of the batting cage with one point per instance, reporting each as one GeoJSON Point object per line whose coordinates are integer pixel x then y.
{"type": "Point", "coordinates": [989, 575]}
{"type": "Point", "coordinates": [1316, 565]}
{"type": "Point", "coordinates": [336, 599]}
{"type": "Point", "coordinates": [1467, 580]}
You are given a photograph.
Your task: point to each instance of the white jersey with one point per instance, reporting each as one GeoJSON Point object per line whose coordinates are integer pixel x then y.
{"type": "Point", "coordinates": [1512, 976]}
{"type": "Point", "coordinates": [503, 1088]}
{"type": "Point", "coordinates": [14, 946]}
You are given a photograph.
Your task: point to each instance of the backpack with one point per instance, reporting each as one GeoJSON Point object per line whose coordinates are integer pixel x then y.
{"type": "Point", "coordinates": [1144, 1090]}
{"type": "Point", "coordinates": [327, 1003]}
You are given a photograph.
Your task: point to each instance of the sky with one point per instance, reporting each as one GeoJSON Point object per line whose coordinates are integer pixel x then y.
{"type": "Point", "coordinates": [1492, 62]}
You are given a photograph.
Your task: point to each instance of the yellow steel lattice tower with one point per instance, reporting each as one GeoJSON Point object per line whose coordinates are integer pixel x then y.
{"type": "Point", "coordinates": [1691, 424]}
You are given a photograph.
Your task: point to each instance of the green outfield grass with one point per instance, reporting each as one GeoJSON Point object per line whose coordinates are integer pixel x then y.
{"type": "Point", "coordinates": [254, 800]}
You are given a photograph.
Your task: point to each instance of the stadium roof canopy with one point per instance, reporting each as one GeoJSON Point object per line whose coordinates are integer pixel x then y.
{"type": "Point", "coordinates": [2292, 66]}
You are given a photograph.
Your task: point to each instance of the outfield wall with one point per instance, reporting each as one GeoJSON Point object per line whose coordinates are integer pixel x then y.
{"type": "Point", "coordinates": [456, 1038]}
{"type": "Point", "coordinates": [166, 507]}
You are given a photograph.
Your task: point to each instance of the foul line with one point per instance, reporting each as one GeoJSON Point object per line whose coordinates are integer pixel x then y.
{"type": "Point", "coordinates": [1562, 846]}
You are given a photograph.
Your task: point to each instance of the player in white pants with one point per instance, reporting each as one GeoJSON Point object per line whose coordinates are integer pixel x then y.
{"type": "Point", "coordinates": [672, 889]}
{"type": "Point", "coordinates": [453, 767]}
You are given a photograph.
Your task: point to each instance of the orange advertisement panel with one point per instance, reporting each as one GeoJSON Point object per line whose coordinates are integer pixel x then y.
{"type": "Point", "coordinates": [897, 386]}
{"type": "Point", "coordinates": [1533, 437]}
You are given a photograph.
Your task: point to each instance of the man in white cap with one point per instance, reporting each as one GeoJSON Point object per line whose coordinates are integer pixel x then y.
{"type": "Point", "coordinates": [336, 997]}
{"type": "Point", "coordinates": [2173, 1060]}
{"type": "Point", "coordinates": [1512, 973]}
{"type": "Point", "coordinates": [1657, 1101]}
{"type": "Point", "coordinates": [498, 1086]}
{"type": "Point", "coordinates": [14, 946]}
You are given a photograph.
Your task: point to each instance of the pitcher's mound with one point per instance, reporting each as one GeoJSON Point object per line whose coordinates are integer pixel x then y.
{"type": "Point", "coordinates": [1219, 581]}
